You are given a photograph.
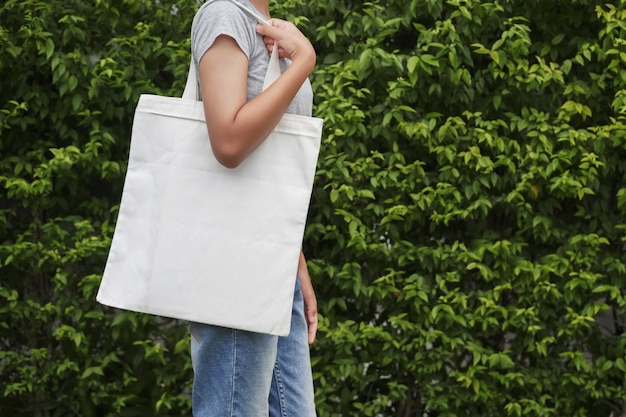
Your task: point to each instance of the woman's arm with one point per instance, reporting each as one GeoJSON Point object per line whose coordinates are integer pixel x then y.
{"type": "Point", "coordinates": [310, 302]}
{"type": "Point", "coordinates": [237, 126]}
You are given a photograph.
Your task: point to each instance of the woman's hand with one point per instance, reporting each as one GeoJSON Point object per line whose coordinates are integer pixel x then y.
{"type": "Point", "coordinates": [310, 302]}
{"type": "Point", "coordinates": [292, 44]}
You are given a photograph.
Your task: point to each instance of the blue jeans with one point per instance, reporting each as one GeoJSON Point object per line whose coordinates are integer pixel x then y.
{"type": "Point", "coordinates": [244, 374]}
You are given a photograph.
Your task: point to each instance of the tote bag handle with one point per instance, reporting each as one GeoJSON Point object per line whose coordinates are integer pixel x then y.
{"type": "Point", "coordinates": [273, 69]}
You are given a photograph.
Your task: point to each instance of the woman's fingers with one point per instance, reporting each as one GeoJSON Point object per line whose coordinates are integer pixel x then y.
{"type": "Point", "coordinates": [291, 42]}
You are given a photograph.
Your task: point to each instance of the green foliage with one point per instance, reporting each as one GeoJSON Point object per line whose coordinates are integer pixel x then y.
{"type": "Point", "coordinates": [467, 229]}
{"type": "Point", "coordinates": [71, 74]}
{"type": "Point", "coordinates": [466, 235]}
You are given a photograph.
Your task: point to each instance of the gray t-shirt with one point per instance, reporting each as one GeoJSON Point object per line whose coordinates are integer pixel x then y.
{"type": "Point", "coordinates": [222, 17]}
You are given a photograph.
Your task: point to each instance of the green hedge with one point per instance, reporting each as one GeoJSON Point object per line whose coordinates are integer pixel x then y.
{"type": "Point", "coordinates": [467, 232]}
{"type": "Point", "coordinates": [71, 74]}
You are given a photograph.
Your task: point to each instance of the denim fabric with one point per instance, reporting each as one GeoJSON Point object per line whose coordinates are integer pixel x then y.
{"type": "Point", "coordinates": [244, 374]}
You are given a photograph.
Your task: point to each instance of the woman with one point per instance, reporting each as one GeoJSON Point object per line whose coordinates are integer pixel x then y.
{"type": "Point", "coordinates": [239, 373]}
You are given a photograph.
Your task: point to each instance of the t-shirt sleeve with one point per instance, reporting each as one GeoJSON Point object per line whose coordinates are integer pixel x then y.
{"type": "Point", "coordinates": [221, 18]}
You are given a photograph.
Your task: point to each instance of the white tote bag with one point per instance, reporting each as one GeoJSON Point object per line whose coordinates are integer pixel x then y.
{"type": "Point", "coordinates": [200, 242]}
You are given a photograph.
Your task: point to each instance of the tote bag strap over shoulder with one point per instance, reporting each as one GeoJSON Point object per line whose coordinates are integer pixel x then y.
{"type": "Point", "coordinates": [273, 69]}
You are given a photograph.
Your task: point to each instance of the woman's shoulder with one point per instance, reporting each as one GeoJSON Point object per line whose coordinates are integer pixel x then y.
{"type": "Point", "coordinates": [222, 11]}
{"type": "Point", "coordinates": [222, 17]}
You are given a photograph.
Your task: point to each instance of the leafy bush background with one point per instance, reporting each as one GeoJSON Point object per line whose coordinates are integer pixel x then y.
{"type": "Point", "coordinates": [467, 230]}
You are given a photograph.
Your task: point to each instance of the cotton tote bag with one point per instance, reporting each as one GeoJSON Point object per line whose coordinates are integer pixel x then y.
{"type": "Point", "coordinates": [200, 242]}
